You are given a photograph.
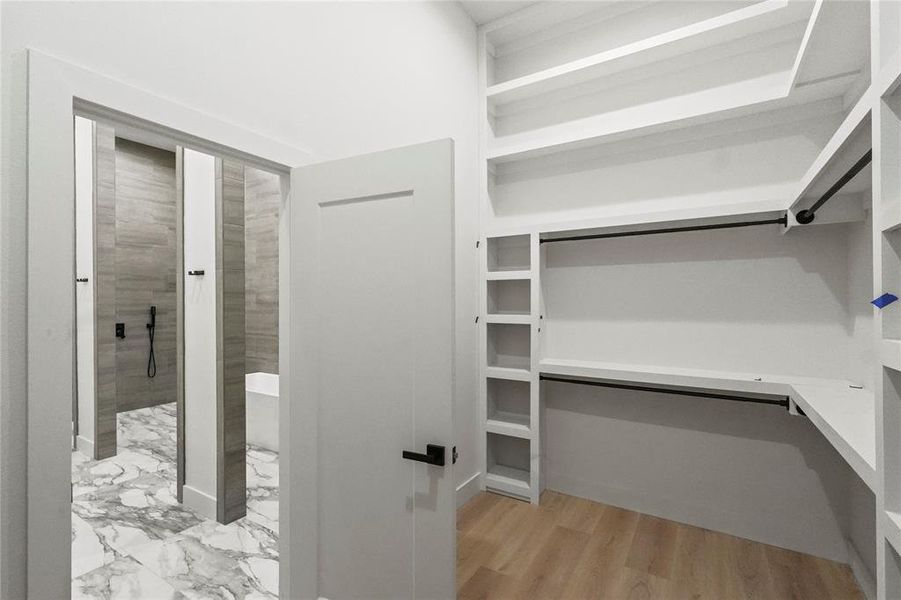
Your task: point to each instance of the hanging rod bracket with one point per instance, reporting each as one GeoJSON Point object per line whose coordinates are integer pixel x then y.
{"type": "Point", "coordinates": [806, 216]}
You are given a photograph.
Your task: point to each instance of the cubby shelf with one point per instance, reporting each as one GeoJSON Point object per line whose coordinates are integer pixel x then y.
{"type": "Point", "coordinates": [512, 424]}
{"type": "Point", "coordinates": [735, 24]}
{"type": "Point", "coordinates": [504, 275]}
{"type": "Point", "coordinates": [508, 480]}
{"type": "Point", "coordinates": [845, 415]}
{"type": "Point", "coordinates": [508, 373]}
{"type": "Point", "coordinates": [509, 318]}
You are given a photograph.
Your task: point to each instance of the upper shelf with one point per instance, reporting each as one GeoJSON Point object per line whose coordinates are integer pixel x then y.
{"type": "Point", "coordinates": [736, 24]}
{"type": "Point", "coordinates": [605, 221]}
{"type": "Point", "coordinates": [577, 104]}
{"type": "Point", "coordinates": [732, 101]}
{"type": "Point", "coordinates": [845, 415]}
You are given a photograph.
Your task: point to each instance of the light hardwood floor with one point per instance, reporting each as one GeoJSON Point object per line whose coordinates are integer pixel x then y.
{"type": "Point", "coordinates": [569, 547]}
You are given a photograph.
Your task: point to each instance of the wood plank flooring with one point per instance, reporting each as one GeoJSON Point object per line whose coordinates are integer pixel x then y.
{"type": "Point", "coordinates": [574, 548]}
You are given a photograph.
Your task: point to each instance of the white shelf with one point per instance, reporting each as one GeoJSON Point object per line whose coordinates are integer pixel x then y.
{"type": "Point", "coordinates": [508, 481]}
{"type": "Point", "coordinates": [510, 424]}
{"type": "Point", "coordinates": [508, 373]}
{"type": "Point", "coordinates": [509, 318]}
{"type": "Point", "coordinates": [844, 148]}
{"type": "Point", "coordinates": [603, 221]}
{"type": "Point", "coordinates": [740, 99]}
{"type": "Point", "coordinates": [512, 274]}
{"type": "Point", "coordinates": [845, 416]}
{"type": "Point", "coordinates": [703, 34]}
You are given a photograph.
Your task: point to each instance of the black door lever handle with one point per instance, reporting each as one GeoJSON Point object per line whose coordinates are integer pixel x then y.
{"type": "Point", "coordinates": [434, 455]}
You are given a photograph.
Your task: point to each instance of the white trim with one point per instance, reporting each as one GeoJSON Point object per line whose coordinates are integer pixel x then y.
{"type": "Point", "coordinates": [85, 446]}
{"type": "Point", "coordinates": [199, 501]}
{"type": "Point", "coordinates": [467, 490]}
{"type": "Point", "coordinates": [43, 186]}
{"type": "Point", "coordinates": [862, 574]}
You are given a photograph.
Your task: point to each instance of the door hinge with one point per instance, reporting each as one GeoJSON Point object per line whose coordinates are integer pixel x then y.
{"type": "Point", "coordinates": [477, 244]}
{"type": "Point", "coordinates": [454, 455]}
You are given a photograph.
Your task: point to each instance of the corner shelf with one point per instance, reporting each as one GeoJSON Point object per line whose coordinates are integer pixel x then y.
{"type": "Point", "coordinates": [844, 148]}
{"type": "Point", "coordinates": [846, 416]}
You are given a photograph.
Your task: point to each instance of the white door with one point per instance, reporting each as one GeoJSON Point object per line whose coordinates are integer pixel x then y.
{"type": "Point", "coordinates": [372, 343]}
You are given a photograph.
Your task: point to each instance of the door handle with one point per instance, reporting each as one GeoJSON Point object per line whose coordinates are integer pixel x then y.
{"type": "Point", "coordinates": [434, 455]}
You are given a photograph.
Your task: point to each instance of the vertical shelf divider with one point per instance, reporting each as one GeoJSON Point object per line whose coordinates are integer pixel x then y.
{"type": "Point", "coordinates": [535, 358]}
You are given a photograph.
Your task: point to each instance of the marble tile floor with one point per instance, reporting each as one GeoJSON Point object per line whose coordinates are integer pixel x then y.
{"type": "Point", "coordinates": [131, 539]}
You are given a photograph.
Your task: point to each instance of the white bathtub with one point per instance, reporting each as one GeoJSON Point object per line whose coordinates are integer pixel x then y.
{"type": "Point", "coordinates": [262, 410]}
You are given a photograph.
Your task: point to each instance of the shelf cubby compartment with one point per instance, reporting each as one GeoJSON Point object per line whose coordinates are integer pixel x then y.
{"type": "Point", "coordinates": [509, 254]}
{"type": "Point", "coordinates": [508, 408]}
{"type": "Point", "coordinates": [509, 346]}
{"type": "Point", "coordinates": [891, 282]}
{"type": "Point", "coordinates": [509, 301]}
{"type": "Point", "coordinates": [508, 465]}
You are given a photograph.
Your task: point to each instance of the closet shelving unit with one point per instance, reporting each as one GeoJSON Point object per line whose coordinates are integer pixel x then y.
{"type": "Point", "coordinates": [551, 107]}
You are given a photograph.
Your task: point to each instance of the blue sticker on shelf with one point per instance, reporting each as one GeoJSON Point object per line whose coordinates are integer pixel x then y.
{"type": "Point", "coordinates": [884, 300]}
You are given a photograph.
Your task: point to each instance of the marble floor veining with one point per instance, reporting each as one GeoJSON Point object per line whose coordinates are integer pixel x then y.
{"type": "Point", "coordinates": [132, 539]}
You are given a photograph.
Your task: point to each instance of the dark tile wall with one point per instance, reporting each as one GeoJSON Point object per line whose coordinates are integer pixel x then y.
{"type": "Point", "coordinates": [145, 273]}
{"type": "Point", "coordinates": [261, 212]}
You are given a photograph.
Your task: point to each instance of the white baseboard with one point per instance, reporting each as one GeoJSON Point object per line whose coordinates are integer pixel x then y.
{"type": "Point", "coordinates": [199, 501]}
{"type": "Point", "coordinates": [862, 574]}
{"type": "Point", "coordinates": [468, 489]}
{"type": "Point", "coordinates": [85, 446]}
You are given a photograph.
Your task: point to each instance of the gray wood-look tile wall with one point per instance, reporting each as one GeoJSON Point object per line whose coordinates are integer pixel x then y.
{"type": "Point", "coordinates": [104, 291]}
{"type": "Point", "coordinates": [230, 346]}
{"type": "Point", "coordinates": [262, 205]}
{"type": "Point", "coordinates": [145, 273]}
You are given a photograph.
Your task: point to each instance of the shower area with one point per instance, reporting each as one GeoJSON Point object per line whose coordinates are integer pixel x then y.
{"type": "Point", "coordinates": [175, 412]}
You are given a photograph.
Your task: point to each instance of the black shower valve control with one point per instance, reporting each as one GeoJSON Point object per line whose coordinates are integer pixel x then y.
{"type": "Point", "coordinates": [120, 330]}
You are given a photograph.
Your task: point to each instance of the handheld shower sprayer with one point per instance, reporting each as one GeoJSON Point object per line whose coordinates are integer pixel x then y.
{"type": "Point", "coordinates": [151, 330]}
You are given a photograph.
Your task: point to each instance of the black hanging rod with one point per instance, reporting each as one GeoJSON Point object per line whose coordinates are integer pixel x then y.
{"type": "Point", "coordinates": [807, 215]}
{"type": "Point", "coordinates": [783, 401]}
{"type": "Point", "coordinates": [783, 220]}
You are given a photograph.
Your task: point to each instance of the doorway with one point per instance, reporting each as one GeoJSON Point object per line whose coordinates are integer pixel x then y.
{"type": "Point", "coordinates": [421, 177]}
{"type": "Point", "coordinates": [150, 271]}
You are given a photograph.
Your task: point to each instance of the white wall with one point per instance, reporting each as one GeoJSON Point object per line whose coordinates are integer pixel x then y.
{"type": "Point", "coordinates": [200, 332]}
{"type": "Point", "coordinates": [84, 292]}
{"type": "Point", "coordinates": [748, 300]}
{"type": "Point", "coordinates": [336, 78]}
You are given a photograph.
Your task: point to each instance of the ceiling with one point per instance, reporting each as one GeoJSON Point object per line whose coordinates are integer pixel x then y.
{"type": "Point", "coordinates": [483, 11]}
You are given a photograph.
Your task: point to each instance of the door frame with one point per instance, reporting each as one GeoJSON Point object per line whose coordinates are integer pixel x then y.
{"type": "Point", "coordinates": [37, 312]}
